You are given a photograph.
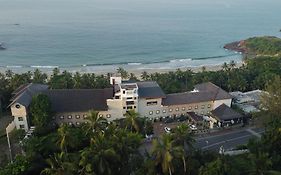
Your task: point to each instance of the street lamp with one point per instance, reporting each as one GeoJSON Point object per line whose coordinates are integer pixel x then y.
{"type": "Point", "coordinates": [9, 145]}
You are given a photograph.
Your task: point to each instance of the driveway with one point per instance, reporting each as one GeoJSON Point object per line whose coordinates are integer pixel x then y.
{"type": "Point", "coordinates": [228, 139]}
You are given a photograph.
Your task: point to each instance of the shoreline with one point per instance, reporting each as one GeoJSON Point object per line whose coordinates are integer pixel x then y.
{"type": "Point", "coordinates": [129, 68]}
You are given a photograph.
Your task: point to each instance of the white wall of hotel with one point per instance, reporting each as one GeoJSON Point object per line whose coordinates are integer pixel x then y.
{"type": "Point", "coordinates": [19, 113]}
{"type": "Point", "coordinates": [115, 80]}
{"type": "Point", "coordinates": [217, 103]}
{"type": "Point", "coordinates": [151, 108]}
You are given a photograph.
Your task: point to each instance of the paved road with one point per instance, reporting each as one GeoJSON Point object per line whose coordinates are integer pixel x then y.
{"type": "Point", "coordinates": [227, 139]}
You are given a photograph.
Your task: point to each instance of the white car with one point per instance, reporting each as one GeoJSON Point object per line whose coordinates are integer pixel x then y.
{"type": "Point", "coordinates": [193, 127]}
{"type": "Point", "coordinates": [167, 130]}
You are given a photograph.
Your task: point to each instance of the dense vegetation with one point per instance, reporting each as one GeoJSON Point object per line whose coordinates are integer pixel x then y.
{"type": "Point", "coordinates": [264, 45]}
{"type": "Point", "coordinates": [10, 81]}
{"type": "Point", "coordinates": [254, 75]}
{"type": "Point", "coordinates": [99, 147]}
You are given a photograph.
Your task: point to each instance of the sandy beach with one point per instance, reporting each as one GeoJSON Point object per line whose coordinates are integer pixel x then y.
{"type": "Point", "coordinates": [135, 69]}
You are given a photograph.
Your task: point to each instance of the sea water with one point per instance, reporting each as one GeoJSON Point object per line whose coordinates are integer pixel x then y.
{"type": "Point", "coordinates": [143, 34]}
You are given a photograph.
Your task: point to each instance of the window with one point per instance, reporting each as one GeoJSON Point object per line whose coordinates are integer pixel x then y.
{"type": "Point", "coordinates": [183, 108]}
{"type": "Point", "coordinates": [150, 112]}
{"type": "Point", "coordinates": [150, 103]}
{"type": "Point", "coordinates": [190, 107]}
{"type": "Point", "coordinates": [78, 123]}
{"type": "Point", "coordinates": [70, 123]}
{"type": "Point", "coordinates": [135, 98]}
{"type": "Point", "coordinates": [124, 92]}
{"type": "Point", "coordinates": [21, 126]}
{"type": "Point", "coordinates": [135, 107]}
{"type": "Point", "coordinates": [129, 107]}
{"type": "Point", "coordinates": [100, 115]}
{"type": "Point", "coordinates": [177, 109]}
{"type": "Point", "coordinates": [20, 118]}
{"type": "Point", "coordinates": [108, 115]}
{"type": "Point", "coordinates": [129, 98]}
{"type": "Point", "coordinates": [202, 106]}
{"type": "Point", "coordinates": [130, 102]}
{"type": "Point", "coordinates": [17, 106]}
{"type": "Point", "coordinates": [61, 117]}
{"type": "Point", "coordinates": [202, 113]}
{"type": "Point", "coordinates": [117, 97]}
{"type": "Point", "coordinates": [209, 105]}
{"type": "Point", "coordinates": [164, 111]}
{"type": "Point", "coordinates": [157, 112]}
{"type": "Point", "coordinates": [69, 117]}
{"type": "Point", "coordinates": [196, 106]}
{"type": "Point", "coordinates": [77, 116]}
{"type": "Point", "coordinates": [124, 107]}
{"type": "Point", "coordinates": [85, 116]}
{"type": "Point", "coordinates": [170, 110]}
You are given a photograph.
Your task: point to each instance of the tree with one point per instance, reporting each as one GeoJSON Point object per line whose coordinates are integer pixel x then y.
{"type": "Point", "coordinates": [261, 163]}
{"type": "Point", "coordinates": [64, 137]}
{"type": "Point", "coordinates": [144, 76]}
{"type": "Point", "coordinates": [162, 150]}
{"type": "Point", "coordinates": [133, 77]}
{"type": "Point", "coordinates": [219, 167]}
{"type": "Point", "coordinates": [182, 136]}
{"type": "Point", "coordinates": [123, 72]}
{"type": "Point", "coordinates": [95, 123]}
{"type": "Point", "coordinates": [225, 66]}
{"type": "Point", "coordinates": [99, 157]}
{"type": "Point", "coordinates": [40, 109]}
{"type": "Point", "coordinates": [132, 120]}
{"type": "Point", "coordinates": [39, 77]}
{"type": "Point", "coordinates": [232, 64]}
{"type": "Point", "coordinates": [271, 100]}
{"type": "Point", "coordinates": [126, 144]}
{"type": "Point", "coordinates": [59, 164]}
{"type": "Point", "coordinates": [203, 68]}
{"type": "Point", "coordinates": [19, 166]}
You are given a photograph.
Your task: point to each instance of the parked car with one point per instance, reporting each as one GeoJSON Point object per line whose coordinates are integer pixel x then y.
{"type": "Point", "coordinates": [193, 127]}
{"type": "Point", "coordinates": [167, 130]}
{"type": "Point", "coordinates": [182, 118]}
{"type": "Point", "coordinates": [169, 120]}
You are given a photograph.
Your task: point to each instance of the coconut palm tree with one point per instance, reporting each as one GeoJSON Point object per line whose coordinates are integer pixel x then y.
{"type": "Point", "coordinates": [132, 120]}
{"type": "Point", "coordinates": [232, 64]}
{"type": "Point", "coordinates": [95, 123]}
{"type": "Point", "coordinates": [261, 163]}
{"type": "Point", "coordinates": [126, 144]}
{"type": "Point", "coordinates": [162, 151]}
{"type": "Point", "coordinates": [64, 137]}
{"type": "Point", "coordinates": [225, 66]}
{"type": "Point", "coordinates": [144, 76]}
{"type": "Point", "coordinates": [99, 157]}
{"type": "Point", "coordinates": [182, 136]}
{"type": "Point", "coordinates": [59, 164]}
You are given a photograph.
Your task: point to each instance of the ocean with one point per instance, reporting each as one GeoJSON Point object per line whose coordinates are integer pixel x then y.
{"type": "Point", "coordinates": [93, 35]}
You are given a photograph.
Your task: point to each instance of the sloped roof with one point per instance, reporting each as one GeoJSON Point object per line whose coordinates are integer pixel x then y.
{"type": "Point", "coordinates": [223, 112]}
{"type": "Point", "coordinates": [78, 100]}
{"type": "Point", "coordinates": [219, 93]}
{"type": "Point", "coordinates": [195, 117]}
{"type": "Point", "coordinates": [187, 98]}
{"type": "Point", "coordinates": [150, 89]}
{"type": "Point", "coordinates": [22, 87]}
{"type": "Point", "coordinates": [23, 95]}
{"type": "Point", "coordinates": [203, 92]}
